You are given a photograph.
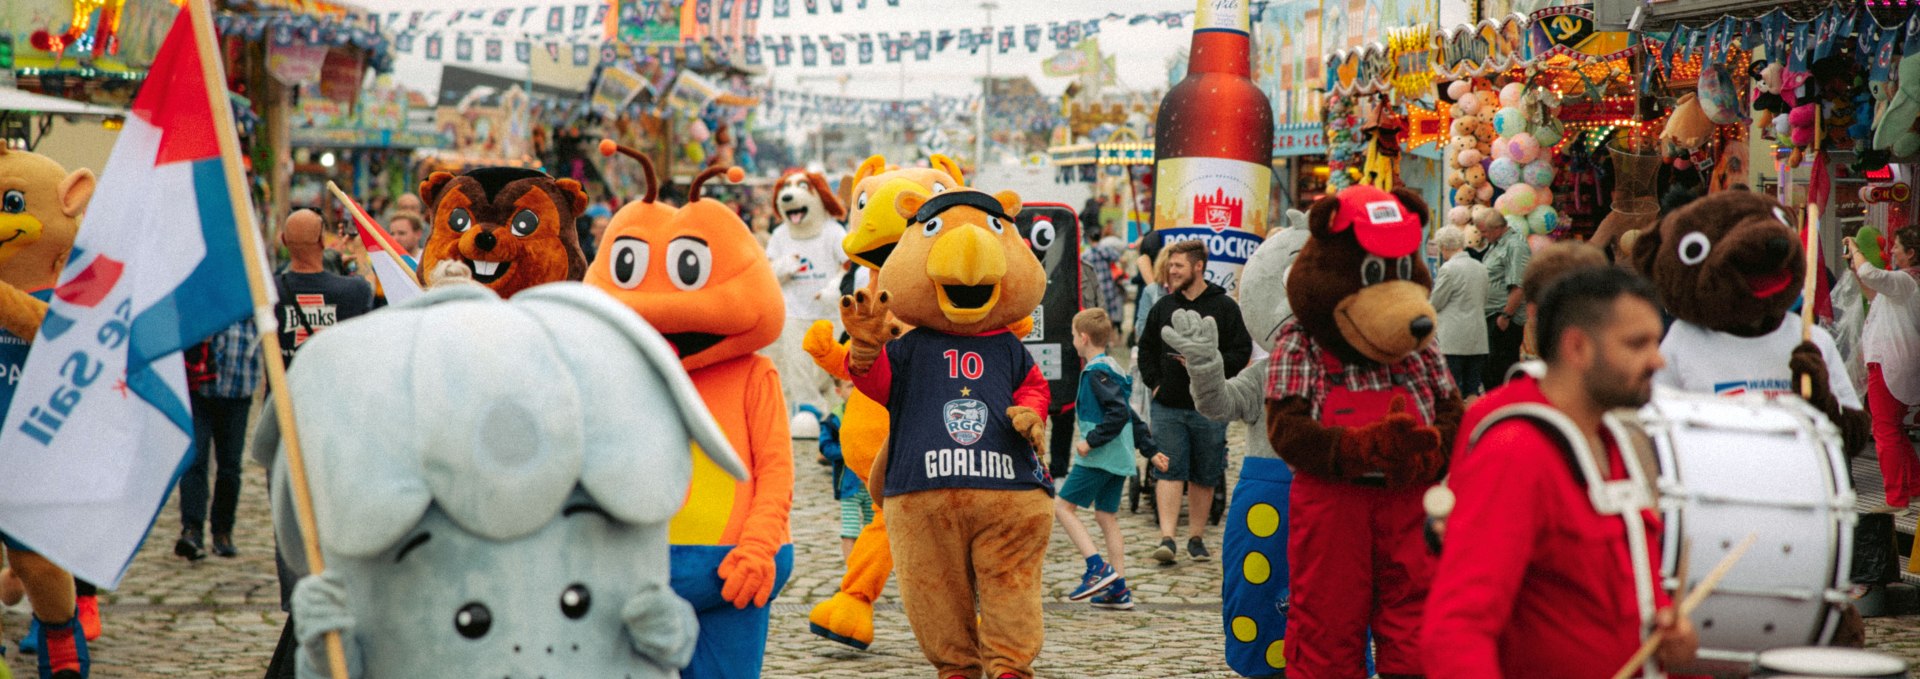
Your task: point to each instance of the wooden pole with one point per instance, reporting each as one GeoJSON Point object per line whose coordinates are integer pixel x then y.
{"type": "Point", "coordinates": [365, 219]}
{"type": "Point", "coordinates": [1808, 290]}
{"type": "Point", "coordinates": [229, 139]}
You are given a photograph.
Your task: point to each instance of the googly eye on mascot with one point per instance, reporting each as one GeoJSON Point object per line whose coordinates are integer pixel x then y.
{"type": "Point", "coordinates": [807, 262]}
{"type": "Point", "coordinates": [969, 502]}
{"type": "Point", "coordinates": [1359, 402]}
{"type": "Point", "coordinates": [1254, 544]}
{"type": "Point", "coordinates": [510, 521]}
{"type": "Point", "coordinates": [41, 205]}
{"type": "Point", "coordinates": [1728, 268]}
{"type": "Point", "coordinates": [512, 227]}
{"type": "Point", "coordinates": [874, 226]}
{"type": "Point", "coordinates": [675, 268]}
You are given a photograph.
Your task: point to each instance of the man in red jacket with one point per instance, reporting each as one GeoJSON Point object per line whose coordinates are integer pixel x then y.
{"type": "Point", "coordinates": [1535, 580]}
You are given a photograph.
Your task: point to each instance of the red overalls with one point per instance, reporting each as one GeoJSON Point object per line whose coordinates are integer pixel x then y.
{"type": "Point", "coordinates": [1357, 557]}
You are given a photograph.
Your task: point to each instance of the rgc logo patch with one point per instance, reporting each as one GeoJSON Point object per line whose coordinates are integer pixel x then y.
{"type": "Point", "coordinates": [966, 420]}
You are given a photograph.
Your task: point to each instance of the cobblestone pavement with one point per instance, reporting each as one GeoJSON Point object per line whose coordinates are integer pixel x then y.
{"type": "Point", "coordinates": [220, 618]}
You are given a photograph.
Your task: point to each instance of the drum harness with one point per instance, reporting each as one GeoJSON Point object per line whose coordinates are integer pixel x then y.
{"type": "Point", "coordinates": [1624, 498]}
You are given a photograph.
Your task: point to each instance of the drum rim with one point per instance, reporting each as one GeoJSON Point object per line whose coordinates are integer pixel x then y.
{"type": "Point", "coordinates": [1819, 661]}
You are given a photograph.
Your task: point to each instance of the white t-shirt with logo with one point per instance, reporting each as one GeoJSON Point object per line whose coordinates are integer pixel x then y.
{"type": "Point", "coordinates": [820, 259]}
{"type": "Point", "coordinates": [1706, 361]}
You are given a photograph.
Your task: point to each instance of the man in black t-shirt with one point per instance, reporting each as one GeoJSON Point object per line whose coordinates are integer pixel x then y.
{"type": "Point", "coordinates": [311, 298]}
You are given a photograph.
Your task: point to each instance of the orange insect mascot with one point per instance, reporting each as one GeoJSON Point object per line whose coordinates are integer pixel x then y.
{"type": "Point", "coordinates": [512, 227]}
{"type": "Point", "coordinates": [968, 498]}
{"type": "Point", "coordinates": [730, 541]}
{"type": "Point", "coordinates": [873, 230]}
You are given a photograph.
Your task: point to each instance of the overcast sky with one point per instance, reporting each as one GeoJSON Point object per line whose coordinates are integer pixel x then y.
{"type": "Point", "coordinates": [1142, 51]}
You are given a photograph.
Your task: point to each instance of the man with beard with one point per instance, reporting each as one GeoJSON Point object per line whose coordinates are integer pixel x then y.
{"type": "Point", "coordinates": [1535, 579]}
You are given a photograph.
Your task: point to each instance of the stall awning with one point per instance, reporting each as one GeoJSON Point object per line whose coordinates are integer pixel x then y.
{"type": "Point", "coordinates": [14, 99]}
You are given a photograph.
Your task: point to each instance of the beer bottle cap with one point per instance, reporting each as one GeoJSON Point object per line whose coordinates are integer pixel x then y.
{"type": "Point", "coordinates": [1384, 226]}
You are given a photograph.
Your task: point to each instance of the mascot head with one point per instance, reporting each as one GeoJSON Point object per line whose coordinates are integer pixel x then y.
{"type": "Point", "coordinates": [696, 274]}
{"type": "Point", "coordinates": [873, 224]}
{"type": "Point", "coordinates": [513, 227]}
{"type": "Point", "coordinates": [1263, 281]}
{"type": "Point", "coordinates": [961, 266]}
{"type": "Point", "coordinates": [805, 202]}
{"type": "Point", "coordinates": [1359, 286]}
{"type": "Point", "coordinates": [40, 209]}
{"type": "Point", "coordinates": [1727, 262]}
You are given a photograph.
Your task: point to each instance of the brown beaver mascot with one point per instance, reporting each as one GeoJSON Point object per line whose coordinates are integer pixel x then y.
{"type": "Point", "coordinates": [512, 227]}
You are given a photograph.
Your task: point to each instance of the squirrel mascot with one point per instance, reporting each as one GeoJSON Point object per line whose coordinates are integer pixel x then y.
{"type": "Point", "coordinates": [512, 227]}
{"type": "Point", "coordinates": [807, 261]}
{"type": "Point", "coordinates": [675, 268]}
{"type": "Point", "coordinates": [41, 205]}
{"type": "Point", "coordinates": [969, 501]}
{"type": "Point", "coordinates": [1359, 402]}
{"type": "Point", "coordinates": [1254, 543]}
{"type": "Point", "coordinates": [874, 227]}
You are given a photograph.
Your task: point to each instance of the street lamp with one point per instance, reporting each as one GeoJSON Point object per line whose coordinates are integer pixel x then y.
{"type": "Point", "coordinates": [986, 90]}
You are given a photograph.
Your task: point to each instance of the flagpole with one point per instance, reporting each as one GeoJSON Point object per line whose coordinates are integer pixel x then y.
{"type": "Point", "coordinates": [359, 216]}
{"type": "Point", "coordinates": [211, 72]}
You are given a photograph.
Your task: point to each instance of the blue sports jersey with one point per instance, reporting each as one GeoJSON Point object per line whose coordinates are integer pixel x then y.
{"type": "Point", "coordinates": [13, 358]}
{"type": "Point", "coordinates": [947, 401]}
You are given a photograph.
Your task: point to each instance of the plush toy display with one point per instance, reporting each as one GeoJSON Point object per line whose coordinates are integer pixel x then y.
{"type": "Point", "coordinates": [1728, 267]}
{"type": "Point", "coordinates": [512, 227]}
{"type": "Point", "coordinates": [968, 499]}
{"type": "Point", "coordinates": [505, 522]}
{"type": "Point", "coordinates": [807, 262]}
{"type": "Point", "coordinates": [41, 205]}
{"type": "Point", "coordinates": [730, 542]}
{"type": "Point", "coordinates": [874, 227]}
{"type": "Point", "coordinates": [1361, 406]}
{"type": "Point", "coordinates": [1253, 548]}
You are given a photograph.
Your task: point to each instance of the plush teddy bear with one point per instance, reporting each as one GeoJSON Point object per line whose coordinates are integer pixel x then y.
{"type": "Point", "coordinates": [510, 521]}
{"type": "Point", "coordinates": [967, 406]}
{"type": "Point", "coordinates": [41, 205]}
{"type": "Point", "coordinates": [1254, 544]}
{"type": "Point", "coordinates": [1728, 267]}
{"type": "Point", "coordinates": [874, 227]}
{"type": "Point", "coordinates": [512, 227]}
{"type": "Point", "coordinates": [731, 551]}
{"type": "Point", "coordinates": [1359, 402]}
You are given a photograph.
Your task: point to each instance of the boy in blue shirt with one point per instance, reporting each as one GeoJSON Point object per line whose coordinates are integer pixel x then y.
{"type": "Point", "coordinates": [1102, 464]}
{"type": "Point", "coordinates": [856, 506]}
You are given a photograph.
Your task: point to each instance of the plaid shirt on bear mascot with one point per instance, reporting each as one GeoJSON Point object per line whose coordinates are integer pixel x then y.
{"type": "Point", "coordinates": [40, 209]}
{"type": "Point", "coordinates": [698, 276]}
{"type": "Point", "coordinates": [966, 403]}
{"type": "Point", "coordinates": [1360, 404]}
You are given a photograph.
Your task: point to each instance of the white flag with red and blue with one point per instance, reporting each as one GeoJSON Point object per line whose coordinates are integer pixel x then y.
{"type": "Point", "coordinates": [100, 426]}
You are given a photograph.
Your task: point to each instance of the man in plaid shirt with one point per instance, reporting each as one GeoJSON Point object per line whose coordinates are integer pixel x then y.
{"type": "Point", "coordinates": [220, 407]}
{"type": "Point", "coordinates": [1360, 404]}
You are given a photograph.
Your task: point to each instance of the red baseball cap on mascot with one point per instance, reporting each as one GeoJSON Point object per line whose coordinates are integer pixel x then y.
{"type": "Point", "coordinates": [1384, 226]}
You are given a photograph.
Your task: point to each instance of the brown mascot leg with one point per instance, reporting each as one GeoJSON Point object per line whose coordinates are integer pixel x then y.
{"type": "Point", "coordinates": [931, 545]}
{"type": "Point", "coordinates": [1007, 556]}
{"type": "Point", "coordinates": [49, 588]}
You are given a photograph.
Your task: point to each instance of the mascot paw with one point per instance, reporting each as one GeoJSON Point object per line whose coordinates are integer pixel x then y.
{"type": "Point", "coordinates": [864, 314]}
{"type": "Point", "coordinates": [1809, 368]}
{"type": "Point", "coordinates": [1191, 334]}
{"type": "Point", "coordinates": [1030, 425]}
{"type": "Point", "coordinates": [1398, 443]}
{"type": "Point", "coordinates": [818, 342]}
{"type": "Point", "coordinates": [844, 619]}
{"type": "Point", "coordinates": [747, 577]}
{"type": "Point", "coordinates": [661, 625]}
{"type": "Point", "coordinates": [320, 607]}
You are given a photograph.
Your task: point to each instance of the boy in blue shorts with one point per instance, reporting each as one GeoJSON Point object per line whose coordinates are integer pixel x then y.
{"type": "Point", "coordinates": [856, 506]}
{"type": "Point", "coordinates": [1102, 463]}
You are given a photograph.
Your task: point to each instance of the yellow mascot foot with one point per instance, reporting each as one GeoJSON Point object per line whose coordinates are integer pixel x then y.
{"type": "Point", "coordinates": [844, 619]}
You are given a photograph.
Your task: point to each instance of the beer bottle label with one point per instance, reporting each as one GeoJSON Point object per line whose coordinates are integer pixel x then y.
{"type": "Point", "coordinates": [1222, 15]}
{"type": "Point", "coordinates": [1221, 201]}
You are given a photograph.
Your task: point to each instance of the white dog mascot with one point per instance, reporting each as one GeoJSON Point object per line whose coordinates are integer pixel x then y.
{"type": "Point", "coordinates": [808, 261]}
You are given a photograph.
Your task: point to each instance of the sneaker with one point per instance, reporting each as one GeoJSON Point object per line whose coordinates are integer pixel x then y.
{"type": "Point", "coordinates": [189, 546]}
{"type": "Point", "coordinates": [1198, 550]}
{"type": "Point", "coordinates": [223, 546]}
{"type": "Point", "coordinates": [1165, 553]}
{"type": "Point", "coordinates": [1115, 598]}
{"type": "Point", "coordinates": [1093, 581]}
{"type": "Point", "coordinates": [87, 609]}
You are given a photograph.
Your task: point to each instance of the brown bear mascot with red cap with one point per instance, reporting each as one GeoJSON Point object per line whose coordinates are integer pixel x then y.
{"type": "Point", "coordinates": [1359, 402]}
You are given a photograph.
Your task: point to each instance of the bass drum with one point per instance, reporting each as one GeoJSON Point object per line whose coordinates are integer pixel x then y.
{"type": "Point", "coordinates": [1733, 466]}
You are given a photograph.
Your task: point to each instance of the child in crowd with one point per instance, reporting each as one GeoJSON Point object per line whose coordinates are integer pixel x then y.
{"type": "Point", "coordinates": [856, 506]}
{"type": "Point", "coordinates": [1102, 463]}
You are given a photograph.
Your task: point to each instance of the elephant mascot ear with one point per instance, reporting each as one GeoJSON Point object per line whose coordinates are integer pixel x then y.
{"type": "Point", "coordinates": [641, 413]}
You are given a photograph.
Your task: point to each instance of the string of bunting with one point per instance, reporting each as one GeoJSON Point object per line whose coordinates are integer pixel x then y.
{"type": "Point", "coordinates": [1801, 42]}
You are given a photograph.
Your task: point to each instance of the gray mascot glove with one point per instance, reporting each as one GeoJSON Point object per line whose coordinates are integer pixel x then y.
{"type": "Point", "coordinates": [661, 625]}
{"type": "Point", "coordinates": [319, 607]}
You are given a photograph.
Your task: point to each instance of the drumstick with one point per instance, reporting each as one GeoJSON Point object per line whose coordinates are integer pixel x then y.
{"type": "Point", "coordinates": [1807, 292]}
{"type": "Point", "coordinates": [1692, 601]}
